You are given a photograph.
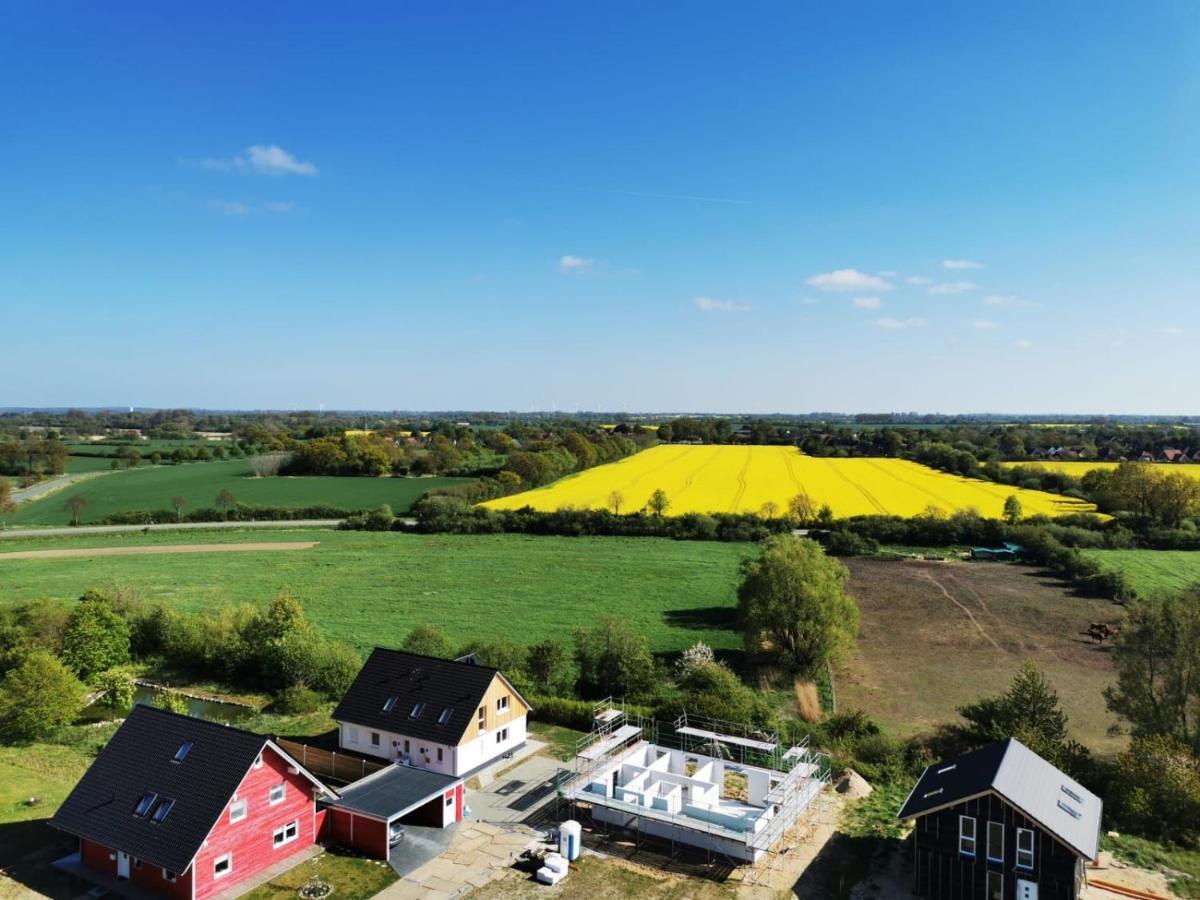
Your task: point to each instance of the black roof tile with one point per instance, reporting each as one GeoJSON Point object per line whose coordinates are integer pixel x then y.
{"type": "Point", "coordinates": [436, 684]}
{"type": "Point", "coordinates": [139, 759]}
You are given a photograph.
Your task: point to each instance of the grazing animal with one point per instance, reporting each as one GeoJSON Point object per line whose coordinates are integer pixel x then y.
{"type": "Point", "coordinates": [1102, 631]}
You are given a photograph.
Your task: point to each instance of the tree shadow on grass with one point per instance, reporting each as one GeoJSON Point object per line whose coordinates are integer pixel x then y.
{"type": "Point", "coordinates": [702, 617]}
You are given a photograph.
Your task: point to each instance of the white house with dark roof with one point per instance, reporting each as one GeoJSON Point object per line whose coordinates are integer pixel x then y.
{"type": "Point", "coordinates": [448, 716]}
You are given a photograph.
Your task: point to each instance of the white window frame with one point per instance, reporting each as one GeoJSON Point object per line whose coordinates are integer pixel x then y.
{"type": "Point", "coordinates": [964, 838]}
{"type": "Point", "coordinates": [483, 718]}
{"type": "Point", "coordinates": [272, 800]}
{"type": "Point", "coordinates": [992, 856]}
{"type": "Point", "coordinates": [374, 738]}
{"type": "Point", "coordinates": [987, 884]}
{"type": "Point", "coordinates": [501, 735]}
{"type": "Point", "coordinates": [439, 754]}
{"type": "Point", "coordinates": [226, 858]}
{"type": "Point", "coordinates": [351, 734]}
{"type": "Point", "coordinates": [234, 807]}
{"type": "Point", "coordinates": [450, 799]}
{"type": "Point", "coordinates": [280, 835]}
{"type": "Point", "coordinates": [1023, 852]}
{"type": "Point", "coordinates": [170, 876]}
{"type": "Point", "coordinates": [258, 761]}
{"type": "Point", "coordinates": [502, 704]}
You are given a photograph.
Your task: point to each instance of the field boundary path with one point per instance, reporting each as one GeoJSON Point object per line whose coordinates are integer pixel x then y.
{"type": "Point", "coordinates": [147, 550]}
{"type": "Point", "coordinates": [52, 486]}
{"type": "Point", "coordinates": [165, 526]}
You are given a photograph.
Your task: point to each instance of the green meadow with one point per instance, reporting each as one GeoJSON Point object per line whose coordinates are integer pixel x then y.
{"type": "Point", "coordinates": [371, 588]}
{"type": "Point", "coordinates": [1153, 571]}
{"type": "Point", "coordinates": [152, 487]}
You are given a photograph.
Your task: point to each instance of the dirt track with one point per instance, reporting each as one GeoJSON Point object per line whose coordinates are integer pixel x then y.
{"type": "Point", "coordinates": [160, 548]}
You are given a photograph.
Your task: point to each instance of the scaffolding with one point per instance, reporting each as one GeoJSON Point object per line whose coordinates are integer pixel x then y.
{"type": "Point", "coordinates": [796, 777]}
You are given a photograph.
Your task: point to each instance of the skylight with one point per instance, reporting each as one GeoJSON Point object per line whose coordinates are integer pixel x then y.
{"type": "Point", "coordinates": [164, 808]}
{"type": "Point", "coordinates": [950, 768]}
{"type": "Point", "coordinates": [1070, 793]}
{"type": "Point", "coordinates": [389, 703]}
{"type": "Point", "coordinates": [1068, 809]}
{"type": "Point", "coordinates": [416, 710]}
{"type": "Point", "coordinates": [143, 805]}
{"type": "Point", "coordinates": [182, 751]}
{"type": "Point", "coordinates": [445, 716]}
{"type": "Point", "coordinates": [929, 794]}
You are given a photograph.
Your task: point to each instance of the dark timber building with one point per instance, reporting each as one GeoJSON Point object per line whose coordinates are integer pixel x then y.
{"type": "Point", "coordinates": [1001, 823]}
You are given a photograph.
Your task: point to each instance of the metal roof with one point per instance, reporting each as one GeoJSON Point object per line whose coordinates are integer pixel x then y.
{"type": "Point", "coordinates": [1057, 802]}
{"type": "Point", "coordinates": [393, 792]}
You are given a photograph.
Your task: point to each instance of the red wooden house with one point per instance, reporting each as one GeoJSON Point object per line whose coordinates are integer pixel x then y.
{"type": "Point", "coordinates": [189, 808]}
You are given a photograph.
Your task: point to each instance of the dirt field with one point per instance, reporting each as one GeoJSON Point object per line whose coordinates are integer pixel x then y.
{"type": "Point", "coordinates": [153, 549]}
{"type": "Point", "coordinates": [938, 635]}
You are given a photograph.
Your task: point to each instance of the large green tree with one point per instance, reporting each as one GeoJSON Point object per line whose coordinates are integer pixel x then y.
{"type": "Point", "coordinates": [96, 637]}
{"type": "Point", "coordinates": [793, 606]}
{"type": "Point", "coordinates": [1029, 711]}
{"type": "Point", "coordinates": [38, 696]}
{"type": "Point", "coordinates": [613, 659]}
{"type": "Point", "coordinates": [1157, 657]}
{"type": "Point", "coordinates": [428, 641]}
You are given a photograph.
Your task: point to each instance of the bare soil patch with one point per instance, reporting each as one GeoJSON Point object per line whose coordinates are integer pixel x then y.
{"type": "Point", "coordinates": [938, 635]}
{"type": "Point", "coordinates": [154, 549]}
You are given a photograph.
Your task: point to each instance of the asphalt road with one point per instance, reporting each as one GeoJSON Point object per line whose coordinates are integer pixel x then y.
{"type": "Point", "coordinates": [166, 526]}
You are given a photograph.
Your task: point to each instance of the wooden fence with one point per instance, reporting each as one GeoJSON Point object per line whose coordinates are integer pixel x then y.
{"type": "Point", "coordinates": [345, 767]}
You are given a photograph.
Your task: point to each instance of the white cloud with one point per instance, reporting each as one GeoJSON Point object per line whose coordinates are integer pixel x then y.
{"type": "Point", "coordinates": [575, 265]}
{"type": "Point", "coordinates": [243, 208]}
{"type": "Point", "coordinates": [263, 159]}
{"type": "Point", "coordinates": [867, 303]}
{"type": "Point", "coordinates": [848, 280]}
{"type": "Point", "coordinates": [1023, 344]}
{"type": "Point", "coordinates": [810, 301]}
{"type": "Point", "coordinates": [918, 280]}
{"type": "Point", "coordinates": [953, 287]}
{"type": "Point", "coordinates": [888, 273]}
{"type": "Point", "coordinates": [961, 264]}
{"type": "Point", "coordinates": [984, 325]}
{"type": "Point", "coordinates": [897, 324]}
{"type": "Point", "coordinates": [1172, 329]}
{"type": "Point", "coordinates": [998, 300]}
{"type": "Point", "coordinates": [708, 304]}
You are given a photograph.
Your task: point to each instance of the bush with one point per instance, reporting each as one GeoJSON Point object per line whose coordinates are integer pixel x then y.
{"type": "Point", "coordinates": [297, 700]}
{"type": "Point", "coordinates": [571, 713]}
{"type": "Point", "coordinates": [1156, 790]}
{"type": "Point", "coordinates": [38, 697]}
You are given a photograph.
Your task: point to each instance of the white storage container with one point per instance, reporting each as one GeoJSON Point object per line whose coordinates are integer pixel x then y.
{"type": "Point", "coordinates": [570, 838]}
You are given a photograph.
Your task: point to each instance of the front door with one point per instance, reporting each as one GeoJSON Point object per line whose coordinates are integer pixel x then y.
{"type": "Point", "coordinates": [1027, 890]}
{"type": "Point", "coordinates": [122, 864]}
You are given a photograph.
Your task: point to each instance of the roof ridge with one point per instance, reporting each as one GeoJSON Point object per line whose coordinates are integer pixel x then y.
{"type": "Point", "coordinates": [221, 726]}
{"type": "Point", "coordinates": [440, 659]}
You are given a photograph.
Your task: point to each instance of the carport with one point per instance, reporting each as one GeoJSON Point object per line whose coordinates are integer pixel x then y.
{"type": "Point", "coordinates": [366, 812]}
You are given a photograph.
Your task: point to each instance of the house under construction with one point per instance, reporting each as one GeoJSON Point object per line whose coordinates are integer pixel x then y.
{"type": "Point", "coordinates": [712, 785]}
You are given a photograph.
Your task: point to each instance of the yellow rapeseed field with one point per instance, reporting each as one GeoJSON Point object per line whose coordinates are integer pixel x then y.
{"type": "Point", "coordinates": [1077, 469]}
{"type": "Point", "coordinates": [722, 478]}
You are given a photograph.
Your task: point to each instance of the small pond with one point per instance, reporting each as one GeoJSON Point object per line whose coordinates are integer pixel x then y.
{"type": "Point", "coordinates": [213, 710]}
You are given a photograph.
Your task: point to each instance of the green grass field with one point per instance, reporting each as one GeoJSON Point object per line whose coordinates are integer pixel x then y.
{"type": "Point", "coordinates": [152, 487]}
{"type": "Point", "coordinates": [1153, 571]}
{"type": "Point", "coordinates": [371, 588]}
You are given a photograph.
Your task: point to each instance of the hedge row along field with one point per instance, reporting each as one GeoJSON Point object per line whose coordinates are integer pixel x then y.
{"type": "Point", "coordinates": [718, 479]}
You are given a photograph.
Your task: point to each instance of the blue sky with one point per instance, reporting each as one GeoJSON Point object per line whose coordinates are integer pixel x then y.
{"type": "Point", "coordinates": [710, 207]}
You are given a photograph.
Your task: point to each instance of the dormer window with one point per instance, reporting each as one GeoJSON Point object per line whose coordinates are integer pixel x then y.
{"type": "Point", "coordinates": [445, 715]}
{"type": "Point", "coordinates": [417, 709]}
{"type": "Point", "coordinates": [143, 805]}
{"type": "Point", "coordinates": [389, 704]}
{"type": "Point", "coordinates": [164, 809]}
{"type": "Point", "coordinates": [182, 752]}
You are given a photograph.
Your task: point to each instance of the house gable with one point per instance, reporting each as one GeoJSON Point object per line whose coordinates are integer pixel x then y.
{"type": "Point", "coordinates": [501, 704]}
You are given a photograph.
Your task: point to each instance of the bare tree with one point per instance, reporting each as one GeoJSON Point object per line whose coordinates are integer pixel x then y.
{"type": "Point", "coordinates": [615, 501]}
{"type": "Point", "coordinates": [75, 505]}
{"type": "Point", "coordinates": [179, 503]}
{"type": "Point", "coordinates": [226, 501]}
{"type": "Point", "coordinates": [268, 464]}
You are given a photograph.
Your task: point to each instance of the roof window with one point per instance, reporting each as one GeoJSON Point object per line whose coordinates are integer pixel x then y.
{"type": "Point", "coordinates": [182, 752]}
{"type": "Point", "coordinates": [950, 768]}
{"type": "Point", "coordinates": [143, 805]}
{"type": "Point", "coordinates": [388, 704]}
{"type": "Point", "coordinates": [1070, 793]}
{"type": "Point", "coordinates": [417, 709]}
{"type": "Point", "coordinates": [1068, 809]}
{"type": "Point", "coordinates": [163, 810]}
{"type": "Point", "coordinates": [445, 716]}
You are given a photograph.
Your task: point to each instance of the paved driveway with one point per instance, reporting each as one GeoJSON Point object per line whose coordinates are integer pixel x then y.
{"type": "Point", "coordinates": [517, 794]}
